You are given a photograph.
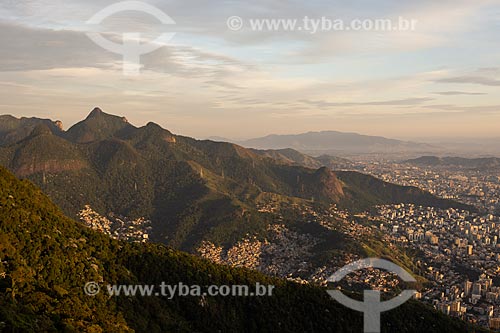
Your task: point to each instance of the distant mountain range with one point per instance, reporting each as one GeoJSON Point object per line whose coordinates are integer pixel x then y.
{"type": "Point", "coordinates": [333, 142]}
{"type": "Point", "coordinates": [475, 163]}
{"type": "Point", "coordinates": [191, 190]}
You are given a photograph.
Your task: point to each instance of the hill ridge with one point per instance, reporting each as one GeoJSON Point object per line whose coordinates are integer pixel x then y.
{"type": "Point", "coordinates": [178, 182]}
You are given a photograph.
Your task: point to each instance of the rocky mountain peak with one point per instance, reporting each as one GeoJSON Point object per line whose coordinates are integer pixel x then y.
{"type": "Point", "coordinates": [96, 112]}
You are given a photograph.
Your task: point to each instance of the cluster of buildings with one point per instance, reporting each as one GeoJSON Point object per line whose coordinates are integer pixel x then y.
{"type": "Point", "coordinates": [453, 247]}
{"type": "Point", "coordinates": [475, 302]}
{"type": "Point", "coordinates": [282, 253]}
{"type": "Point", "coordinates": [292, 255]}
{"type": "Point", "coordinates": [116, 226]}
{"type": "Point", "coordinates": [456, 251]}
{"type": "Point", "coordinates": [475, 187]}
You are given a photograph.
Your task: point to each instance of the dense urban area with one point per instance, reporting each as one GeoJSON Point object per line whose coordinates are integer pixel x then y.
{"type": "Point", "coordinates": [456, 253]}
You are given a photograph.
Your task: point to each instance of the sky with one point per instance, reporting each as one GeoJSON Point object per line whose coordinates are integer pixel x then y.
{"type": "Point", "coordinates": [440, 80]}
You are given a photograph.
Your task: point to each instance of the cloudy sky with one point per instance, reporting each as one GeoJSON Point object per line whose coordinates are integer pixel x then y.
{"type": "Point", "coordinates": [440, 80]}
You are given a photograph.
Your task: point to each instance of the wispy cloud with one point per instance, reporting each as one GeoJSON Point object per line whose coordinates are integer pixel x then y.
{"type": "Point", "coordinates": [466, 109]}
{"type": "Point", "coordinates": [29, 48]}
{"type": "Point", "coordinates": [24, 48]}
{"type": "Point", "coordinates": [456, 93]}
{"type": "Point", "coordinates": [209, 80]}
{"type": "Point", "coordinates": [482, 76]}
{"type": "Point", "coordinates": [396, 102]}
{"type": "Point", "coordinates": [481, 80]}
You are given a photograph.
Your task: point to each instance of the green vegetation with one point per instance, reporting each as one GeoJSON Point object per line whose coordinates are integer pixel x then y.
{"type": "Point", "coordinates": [192, 190]}
{"type": "Point", "coordinates": [46, 258]}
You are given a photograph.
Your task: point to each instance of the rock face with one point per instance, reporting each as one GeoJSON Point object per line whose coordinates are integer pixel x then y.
{"type": "Point", "coordinates": [170, 139]}
{"type": "Point", "coordinates": [50, 166]}
{"type": "Point", "coordinates": [44, 152]}
{"type": "Point", "coordinates": [59, 124]}
{"type": "Point", "coordinates": [323, 184]}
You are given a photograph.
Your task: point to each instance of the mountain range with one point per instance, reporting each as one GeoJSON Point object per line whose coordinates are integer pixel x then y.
{"type": "Point", "coordinates": [334, 142]}
{"type": "Point", "coordinates": [191, 190]}
{"type": "Point", "coordinates": [199, 195]}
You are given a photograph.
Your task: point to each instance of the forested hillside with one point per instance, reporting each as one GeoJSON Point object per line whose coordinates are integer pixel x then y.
{"type": "Point", "coordinates": [46, 258]}
{"type": "Point", "coordinates": [191, 190]}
